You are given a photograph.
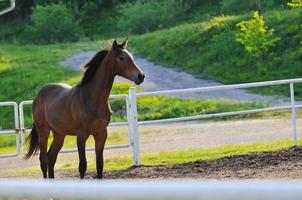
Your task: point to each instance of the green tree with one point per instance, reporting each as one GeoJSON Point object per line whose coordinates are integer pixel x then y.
{"type": "Point", "coordinates": [148, 15]}
{"type": "Point", "coordinates": [255, 36]}
{"type": "Point", "coordinates": [295, 3]}
{"type": "Point", "coordinates": [53, 23]}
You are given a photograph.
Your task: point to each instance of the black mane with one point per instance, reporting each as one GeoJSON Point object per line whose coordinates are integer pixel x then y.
{"type": "Point", "coordinates": [92, 66]}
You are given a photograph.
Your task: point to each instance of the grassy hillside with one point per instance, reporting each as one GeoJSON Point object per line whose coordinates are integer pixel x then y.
{"type": "Point", "coordinates": [208, 49]}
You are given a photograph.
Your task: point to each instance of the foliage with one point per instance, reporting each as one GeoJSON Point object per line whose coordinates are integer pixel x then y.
{"type": "Point", "coordinates": [241, 6]}
{"type": "Point", "coordinates": [150, 108]}
{"type": "Point", "coordinates": [237, 6]}
{"type": "Point", "coordinates": [255, 36]}
{"type": "Point", "coordinates": [295, 3]}
{"type": "Point", "coordinates": [209, 49]}
{"type": "Point", "coordinates": [148, 15]}
{"type": "Point", "coordinates": [53, 23]}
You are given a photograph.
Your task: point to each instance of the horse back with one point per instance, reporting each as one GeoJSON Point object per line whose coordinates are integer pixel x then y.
{"type": "Point", "coordinates": [52, 102]}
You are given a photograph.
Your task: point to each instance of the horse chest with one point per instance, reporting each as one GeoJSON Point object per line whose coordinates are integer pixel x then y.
{"type": "Point", "coordinates": [98, 125]}
{"type": "Point", "coordinates": [100, 122]}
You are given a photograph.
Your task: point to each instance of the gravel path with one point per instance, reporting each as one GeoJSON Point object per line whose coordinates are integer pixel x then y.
{"type": "Point", "coordinates": [162, 78]}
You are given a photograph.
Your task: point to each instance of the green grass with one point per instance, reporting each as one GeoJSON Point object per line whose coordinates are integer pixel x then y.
{"type": "Point", "coordinates": [208, 49]}
{"type": "Point", "coordinates": [170, 157]}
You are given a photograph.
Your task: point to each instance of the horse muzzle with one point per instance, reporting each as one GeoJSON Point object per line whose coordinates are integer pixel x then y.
{"type": "Point", "coordinates": [140, 78]}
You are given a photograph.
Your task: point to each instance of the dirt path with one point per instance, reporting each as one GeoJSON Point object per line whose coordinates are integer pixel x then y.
{"type": "Point", "coordinates": [162, 78]}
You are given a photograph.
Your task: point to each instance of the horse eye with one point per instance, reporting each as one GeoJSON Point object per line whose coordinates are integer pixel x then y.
{"type": "Point", "coordinates": [121, 58]}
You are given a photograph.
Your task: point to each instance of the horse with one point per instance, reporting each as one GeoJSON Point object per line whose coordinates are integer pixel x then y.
{"type": "Point", "coordinates": [80, 111]}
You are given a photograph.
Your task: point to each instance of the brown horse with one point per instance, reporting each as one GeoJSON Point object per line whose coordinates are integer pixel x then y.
{"type": "Point", "coordinates": [82, 110]}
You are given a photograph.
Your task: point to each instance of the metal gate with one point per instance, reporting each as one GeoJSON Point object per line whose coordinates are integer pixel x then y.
{"type": "Point", "coordinates": [15, 131]}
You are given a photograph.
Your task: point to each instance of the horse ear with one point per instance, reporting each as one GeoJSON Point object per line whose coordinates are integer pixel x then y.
{"type": "Point", "coordinates": [114, 45]}
{"type": "Point", "coordinates": [125, 43]}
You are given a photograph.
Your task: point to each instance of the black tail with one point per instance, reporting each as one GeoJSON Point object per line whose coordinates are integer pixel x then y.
{"type": "Point", "coordinates": [33, 142]}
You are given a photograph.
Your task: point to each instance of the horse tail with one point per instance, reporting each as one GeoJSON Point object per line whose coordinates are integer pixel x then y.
{"type": "Point", "coordinates": [33, 142]}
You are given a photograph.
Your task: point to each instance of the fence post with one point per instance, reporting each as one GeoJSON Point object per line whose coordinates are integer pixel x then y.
{"type": "Point", "coordinates": [22, 131]}
{"type": "Point", "coordinates": [294, 126]}
{"type": "Point", "coordinates": [17, 127]}
{"type": "Point", "coordinates": [134, 126]}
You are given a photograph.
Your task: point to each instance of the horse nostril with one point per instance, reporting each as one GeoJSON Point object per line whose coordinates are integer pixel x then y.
{"type": "Point", "coordinates": [141, 77]}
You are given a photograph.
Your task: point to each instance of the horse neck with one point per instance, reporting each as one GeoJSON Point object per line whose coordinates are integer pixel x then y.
{"type": "Point", "coordinates": [100, 86]}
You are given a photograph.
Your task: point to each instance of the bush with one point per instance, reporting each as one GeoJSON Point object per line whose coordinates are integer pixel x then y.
{"type": "Point", "coordinates": [295, 3]}
{"type": "Point", "coordinates": [237, 6]}
{"type": "Point", "coordinates": [148, 15]}
{"type": "Point", "coordinates": [240, 6]}
{"type": "Point", "coordinates": [255, 36]}
{"type": "Point", "coordinates": [53, 23]}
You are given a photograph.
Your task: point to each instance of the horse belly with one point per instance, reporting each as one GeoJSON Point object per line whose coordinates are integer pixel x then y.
{"type": "Point", "coordinates": [57, 111]}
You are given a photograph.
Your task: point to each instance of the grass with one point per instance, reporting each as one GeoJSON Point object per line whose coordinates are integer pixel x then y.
{"type": "Point", "coordinates": [116, 136]}
{"type": "Point", "coordinates": [208, 49]}
{"type": "Point", "coordinates": [170, 157]}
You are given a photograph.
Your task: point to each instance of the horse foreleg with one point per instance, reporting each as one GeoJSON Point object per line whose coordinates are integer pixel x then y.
{"type": "Point", "coordinates": [53, 151]}
{"type": "Point", "coordinates": [100, 140]}
{"type": "Point", "coordinates": [81, 143]}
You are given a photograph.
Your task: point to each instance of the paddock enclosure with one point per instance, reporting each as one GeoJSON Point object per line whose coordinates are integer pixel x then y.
{"type": "Point", "coordinates": [132, 113]}
{"type": "Point", "coordinates": [266, 165]}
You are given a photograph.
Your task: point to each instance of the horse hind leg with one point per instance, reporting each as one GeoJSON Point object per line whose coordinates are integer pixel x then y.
{"type": "Point", "coordinates": [56, 145]}
{"type": "Point", "coordinates": [43, 132]}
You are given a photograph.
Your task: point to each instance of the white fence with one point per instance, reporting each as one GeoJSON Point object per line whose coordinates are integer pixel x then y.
{"type": "Point", "coordinates": [151, 190]}
{"type": "Point", "coordinates": [10, 8]}
{"type": "Point", "coordinates": [132, 115]}
{"type": "Point", "coordinates": [15, 131]}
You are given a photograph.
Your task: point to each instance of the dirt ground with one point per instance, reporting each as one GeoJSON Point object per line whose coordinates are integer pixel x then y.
{"type": "Point", "coordinates": [280, 165]}
{"type": "Point", "coordinates": [285, 164]}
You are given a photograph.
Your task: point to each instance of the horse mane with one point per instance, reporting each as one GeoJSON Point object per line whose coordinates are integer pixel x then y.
{"type": "Point", "coordinates": [92, 66]}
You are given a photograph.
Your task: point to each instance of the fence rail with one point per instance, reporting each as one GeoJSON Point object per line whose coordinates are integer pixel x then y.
{"type": "Point", "coordinates": [6, 10]}
{"type": "Point", "coordinates": [12, 131]}
{"type": "Point", "coordinates": [151, 190]}
{"type": "Point", "coordinates": [132, 113]}
{"type": "Point", "coordinates": [292, 106]}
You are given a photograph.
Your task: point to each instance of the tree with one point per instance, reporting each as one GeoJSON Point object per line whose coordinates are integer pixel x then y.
{"type": "Point", "coordinates": [53, 23]}
{"type": "Point", "coordinates": [295, 3]}
{"type": "Point", "coordinates": [255, 36]}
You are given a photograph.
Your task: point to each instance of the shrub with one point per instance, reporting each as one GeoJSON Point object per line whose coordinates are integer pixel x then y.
{"type": "Point", "coordinates": [240, 6]}
{"type": "Point", "coordinates": [295, 3]}
{"type": "Point", "coordinates": [237, 6]}
{"type": "Point", "coordinates": [53, 23]}
{"type": "Point", "coordinates": [255, 36]}
{"type": "Point", "coordinates": [148, 15]}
